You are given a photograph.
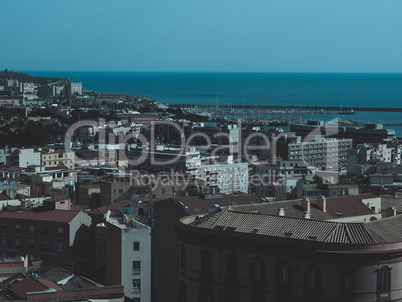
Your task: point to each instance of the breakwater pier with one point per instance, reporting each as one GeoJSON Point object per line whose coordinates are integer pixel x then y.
{"type": "Point", "coordinates": [283, 107]}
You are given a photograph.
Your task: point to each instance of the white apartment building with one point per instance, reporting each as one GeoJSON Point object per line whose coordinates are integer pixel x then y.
{"type": "Point", "coordinates": [128, 251]}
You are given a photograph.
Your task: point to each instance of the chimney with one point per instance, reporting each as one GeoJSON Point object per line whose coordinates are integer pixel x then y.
{"type": "Point", "coordinates": [306, 204]}
{"type": "Point", "coordinates": [322, 203]}
{"type": "Point", "coordinates": [306, 215]}
{"type": "Point", "coordinates": [281, 212]}
{"type": "Point", "coordinates": [390, 212]}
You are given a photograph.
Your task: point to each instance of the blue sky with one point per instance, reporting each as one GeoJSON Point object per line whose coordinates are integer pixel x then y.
{"type": "Point", "coordinates": [195, 35]}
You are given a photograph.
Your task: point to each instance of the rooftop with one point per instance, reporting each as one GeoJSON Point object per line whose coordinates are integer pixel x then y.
{"type": "Point", "coordinates": [195, 205]}
{"type": "Point", "coordinates": [302, 229]}
{"type": "Point", "coordinates": [51, 216]}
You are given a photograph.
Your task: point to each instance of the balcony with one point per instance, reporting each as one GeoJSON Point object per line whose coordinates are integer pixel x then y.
{"type": "Point", "coordinates": [52, 252]}
{"type": "Point", "coordinates": [12, 248]}
{"type": "Point", "coordinates": [136, 290]}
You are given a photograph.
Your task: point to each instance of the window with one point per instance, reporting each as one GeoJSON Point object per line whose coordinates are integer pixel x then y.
{"type": "Point", "coordinates": [232, 270]}
{"type": "Point", "coordinates": [3, 241]}
{"type": "Point", "coordinates": [346, 280]}
{"type": "Point", "coordinates": [60, 247]}
{"type": "Point", "coordinates": [312, 279]}
{"type": "Point", "coordinates": [17, 242]}
{"type": "Point", "coordinates": [283, 278]}
{"type": "Point", "coordinates": [102, 238]}
{"type": "Point", "coordinates": [45, 231]}
{"type": "Point", "coordinates": [59, 232]}
{"type": "Point", "coordinates": [17, 229]}
{"type": "Point", "coordinates": [312, 284]}
{"type": "Point", "coordinates": [206, 267]}
{"type": "Point", "coordinates": [103, 254]}
{"type": "Point", "coordinates": [137, 285]}
{"type": "Point", "coordinates": [31, 243]}
{"type": "Point", "coordinates": [136, 267]}
{"type": "Point", "coordinates": [31, 230]}
{"type": "Point", "coordinates": [283, 275]}
{"type": "Point", "coordinates": [3, 228]}
{"type": "Point", "coordinates": [384, 279]}
{"type": "Point", "coordinates": [136, 246]}
{"type": "Point", "coordinates": [120, 191]}
{"type": "Point", "coordinates": [257, 271]}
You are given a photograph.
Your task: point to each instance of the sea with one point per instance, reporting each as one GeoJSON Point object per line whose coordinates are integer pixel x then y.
{"type": "Point", "coordinates": [291, 89]}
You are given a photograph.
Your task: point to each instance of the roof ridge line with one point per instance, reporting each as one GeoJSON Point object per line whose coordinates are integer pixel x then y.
{"type": "Point", "coordinates": [334, 230]}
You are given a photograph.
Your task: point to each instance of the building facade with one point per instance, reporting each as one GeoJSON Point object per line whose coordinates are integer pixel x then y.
{"type": "Point", "coordinates": [233, 255]}
{"type": "Point", "coordinates": [128, 250]}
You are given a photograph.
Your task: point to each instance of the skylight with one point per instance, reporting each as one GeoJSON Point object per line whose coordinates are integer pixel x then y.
{"type": "Point", "coordinates": [197, 210]}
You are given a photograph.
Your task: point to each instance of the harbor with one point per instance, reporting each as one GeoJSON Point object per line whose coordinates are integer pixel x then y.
{"type": "Point", "coordinates": [284, 115]}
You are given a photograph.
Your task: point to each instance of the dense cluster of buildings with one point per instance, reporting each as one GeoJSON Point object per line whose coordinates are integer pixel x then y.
{"type": "Point", "coordinates": [154, 206]}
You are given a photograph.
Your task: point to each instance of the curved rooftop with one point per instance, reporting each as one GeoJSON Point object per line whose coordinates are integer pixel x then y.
{"type": "Point", "coordinates": [387, 230]}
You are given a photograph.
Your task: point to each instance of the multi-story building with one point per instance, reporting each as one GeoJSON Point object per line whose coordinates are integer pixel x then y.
{"type": "Point", "coordinates": [128, 250]}
{"type": "Point", "coordinates": [228, 177]}
{"type": "Point", "coordinates": [226, 174]}
{"type": "Point", "coordinates": [28, 157]}
{"type": "Point", "coordinates": [55, 284]}
{"type": "Point", "coordinates": [165, 252]}
{"type": "Point", "coordinates": [319, 152]}
{"type": "Point", "coordinates": [245, 255]}
{"type": "Point", "coordinates": [370, 133]}
{"type": "Point", "coordinates": [115, 185]}
{"type": "Point", "coordinates": [56, 236]}
{"type": "Point", "coordinates": [74, 88]}
{"type": "Point", "coordinates": [143, 119]}
{"type": "Point", "coordinates": [44, 181]}
{"type": "Point", "coordinates": [279, 174]}
{"type": "Point", "coordinates": [27, 87]}
{"type": "Point", "coordinates": [11, 101]}
{"type": "Point", "coordinates": [51, 158]}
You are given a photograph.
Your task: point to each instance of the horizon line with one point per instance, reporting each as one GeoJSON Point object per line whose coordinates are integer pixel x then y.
{"type": "Point", "coordinates": [216, 72]}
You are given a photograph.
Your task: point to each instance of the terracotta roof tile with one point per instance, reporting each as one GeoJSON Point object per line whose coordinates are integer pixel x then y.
{"type": "Point", "coordinates": [195, 205]}
{"type": "Point", "coordinates": [53, 215]}
{"type": "Point", "coordinates": [32, 284]}
{"type": "Point", "coordinates": [287, 227]}
{"type": "Point", "coordinates": [350, 205]}
{"type": "Point", "coordinates": [4, 197]}
{"type": "Point", "coordinates": [102, 210]}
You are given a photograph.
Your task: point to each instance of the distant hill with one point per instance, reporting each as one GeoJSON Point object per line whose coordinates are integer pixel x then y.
{"type": "Point", "coordinates": [24, 77]}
